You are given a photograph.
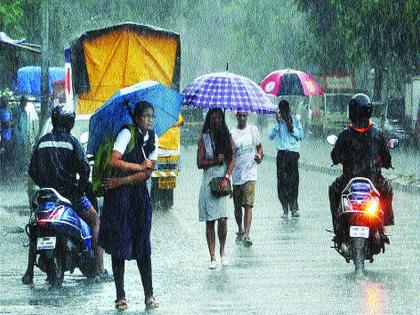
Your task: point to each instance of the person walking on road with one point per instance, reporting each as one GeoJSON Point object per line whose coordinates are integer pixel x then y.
{"type": "Point", "coordinates": [287, 133]}
{"type": "Point", "coordinates": [249, 153]}
{"type": "Point", "coordinates": [126, 218]}
{"type": "Point", "coordinates": [216, 156]}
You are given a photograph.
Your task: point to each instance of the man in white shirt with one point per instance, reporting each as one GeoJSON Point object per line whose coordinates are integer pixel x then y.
{"type": "Point", "coordinates": [249, 153]}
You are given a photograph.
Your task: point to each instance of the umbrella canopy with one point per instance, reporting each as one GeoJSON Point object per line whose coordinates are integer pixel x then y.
{"type": "Point", "coordinates": [227, 91]}
{"type": "Point", "coordinates": [290, 82]}
{"type": "Point", "coordinates": [114, 114]}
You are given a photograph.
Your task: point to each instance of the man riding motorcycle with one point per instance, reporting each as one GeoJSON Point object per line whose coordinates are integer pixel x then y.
{"type": "Point", "coordinates": [56, 160]}
{"type": "Point", "coordinates": [362, 150]}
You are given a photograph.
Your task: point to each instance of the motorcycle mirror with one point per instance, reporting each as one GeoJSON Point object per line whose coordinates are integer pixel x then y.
{"type": "Point", "coordinates": [332, 139]}
{"type": "Point", "coordinates": [84, 137]}
{"type": "Point", "coordinates": [392, 143]}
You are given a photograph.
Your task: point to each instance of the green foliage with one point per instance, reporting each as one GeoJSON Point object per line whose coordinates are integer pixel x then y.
{"type": "Point", "coordinates": [254, 37]}
{"type": "Point", "coordinates": [11, 15]}
{"type": "Point", "coordinates": [384, 33]}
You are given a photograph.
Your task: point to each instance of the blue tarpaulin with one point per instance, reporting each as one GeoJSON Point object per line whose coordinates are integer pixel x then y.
{"type": "Point", "coordinates": [29, 79]}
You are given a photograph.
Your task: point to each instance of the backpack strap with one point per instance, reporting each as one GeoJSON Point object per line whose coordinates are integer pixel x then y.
{"type": "Point", "coordinates": [132, 142]}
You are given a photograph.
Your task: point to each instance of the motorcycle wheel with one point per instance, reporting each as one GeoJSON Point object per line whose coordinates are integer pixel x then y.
{"type": "Point", "coordinates": [359, 254]}
{"type": "Point", "coordinates": [55, 271]}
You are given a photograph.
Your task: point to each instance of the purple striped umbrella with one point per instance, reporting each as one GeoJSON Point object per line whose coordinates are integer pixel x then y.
{"type": "Point", "coordinates": [227, 91]}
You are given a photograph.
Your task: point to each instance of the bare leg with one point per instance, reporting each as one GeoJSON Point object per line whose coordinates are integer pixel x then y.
{"type": "Point", "coordinates": [247, 219]}
{"type": "Point", "coordinates": [92, 218]}
{"type": "Point", "coordinates": [210, 235]}
{"type": "Point", "coordinates": [28, 277]}
{"type": "Point", "coordinates": [238, 218]}
{"type": "Point", "coordinates": [221, 232]}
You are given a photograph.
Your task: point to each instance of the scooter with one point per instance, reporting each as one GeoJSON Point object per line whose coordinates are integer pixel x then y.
{"type": "Point", "coordinates": [62, 239]}
{"type": "Point", "coordinates": [360, 232]}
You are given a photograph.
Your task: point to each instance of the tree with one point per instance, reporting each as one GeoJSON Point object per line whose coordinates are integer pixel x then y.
{"type": "Point", "coordinates": [11, 16]}
{"type": "Point", "coordinates": [329, 52]}
{"type": "Point", "coordinates": [386, 31]}
{"type": "Point", "coordinates": [382, 32]}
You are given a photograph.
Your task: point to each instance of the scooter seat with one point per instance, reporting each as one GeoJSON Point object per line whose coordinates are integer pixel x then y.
{"type": "Point", "coordinates": [50, 194]}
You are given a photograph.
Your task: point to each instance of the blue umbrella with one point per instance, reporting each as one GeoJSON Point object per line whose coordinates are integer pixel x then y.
{"type": "Point", "coordinates": [118, 111]}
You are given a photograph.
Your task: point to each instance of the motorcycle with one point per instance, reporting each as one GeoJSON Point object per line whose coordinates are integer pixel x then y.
{"type": "Point", "coordinates": [360, 232]}
{"type": "Point", "coordinates": [62, 239]}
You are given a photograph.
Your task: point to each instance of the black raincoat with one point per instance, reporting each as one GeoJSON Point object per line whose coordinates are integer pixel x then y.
{"type": "Point", "coordinates": [362, 152]}
{"type": "Point", "coordinates": [56, 160]}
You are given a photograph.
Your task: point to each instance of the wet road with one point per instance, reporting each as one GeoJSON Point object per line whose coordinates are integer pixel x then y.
{"type": "Point", "coordinates": [290, 269]}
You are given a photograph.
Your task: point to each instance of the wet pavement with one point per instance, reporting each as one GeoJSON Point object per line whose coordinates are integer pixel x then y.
{"type": "Point", "coordinates": [290, 269]}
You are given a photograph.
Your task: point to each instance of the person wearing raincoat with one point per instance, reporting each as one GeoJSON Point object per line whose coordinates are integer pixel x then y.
{"type": "Point", "coordinates": [362, 150]}
{"type": "Point", "coordinates": [59, 161]}
{"type": "Point", "coordinates": [126, 218]}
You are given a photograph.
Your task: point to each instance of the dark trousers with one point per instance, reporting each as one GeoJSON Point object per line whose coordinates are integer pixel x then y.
{"type": "Point", "coordinates": [288, 179]}
{"type": "Point", "coordinates": [6, 159]}
{"type": "Point", "coordinates": [381, 184]}
{"type": "Point", "coordinates": [145, 268]}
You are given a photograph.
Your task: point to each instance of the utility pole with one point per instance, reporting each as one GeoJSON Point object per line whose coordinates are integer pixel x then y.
{"type": "Point", "coordinates": [45, 62]}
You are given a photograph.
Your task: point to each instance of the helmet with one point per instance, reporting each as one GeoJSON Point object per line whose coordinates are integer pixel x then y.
{"type": "Point", "coordinates": [62, 118]}
{"type": "Point", "coordinates": [360, 108]}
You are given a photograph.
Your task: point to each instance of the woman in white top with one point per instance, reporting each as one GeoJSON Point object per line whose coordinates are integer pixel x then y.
{"type": "Point", "coordinates": [216, 156]}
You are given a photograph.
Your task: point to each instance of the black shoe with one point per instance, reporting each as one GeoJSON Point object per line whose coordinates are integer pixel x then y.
{"type": "Point", "coordinates": [295, 214]}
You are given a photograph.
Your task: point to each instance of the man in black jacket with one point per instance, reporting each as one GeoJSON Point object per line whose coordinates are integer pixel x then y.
{"type": "Point", "coordinates": [57, 160]}
{"type": "Point", "coordinates": [362, 150]}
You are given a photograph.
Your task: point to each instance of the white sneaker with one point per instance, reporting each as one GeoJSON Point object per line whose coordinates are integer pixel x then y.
{"type": "Point", "coordinates": [225, 261]}
{"type": "Point", "coordinates": [213, 265]}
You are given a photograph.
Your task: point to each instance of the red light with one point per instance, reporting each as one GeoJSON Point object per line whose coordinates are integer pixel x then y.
{"type": "Point", "coordinates": [67, 80]}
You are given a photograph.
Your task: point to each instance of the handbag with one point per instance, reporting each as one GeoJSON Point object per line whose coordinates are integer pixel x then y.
{"type": "Point", "coordinates": [215, 187]}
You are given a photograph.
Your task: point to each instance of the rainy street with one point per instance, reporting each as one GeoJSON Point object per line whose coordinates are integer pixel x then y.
{"type": "Point", "coordinates": [97, 96]}
{"type": "Point", "coordinates": [290, 269]}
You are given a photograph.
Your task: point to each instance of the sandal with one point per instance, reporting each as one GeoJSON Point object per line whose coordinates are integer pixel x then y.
{"type": "Point", "coordinates": [151, 303]}
{"type": "Point", "coordinates": [121, 304]}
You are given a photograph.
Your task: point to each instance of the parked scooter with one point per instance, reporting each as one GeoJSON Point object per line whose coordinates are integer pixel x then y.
{"type": "Point", "coordinates": [63, 239]}
{"type": "Point", "coordinates": [360, 232]}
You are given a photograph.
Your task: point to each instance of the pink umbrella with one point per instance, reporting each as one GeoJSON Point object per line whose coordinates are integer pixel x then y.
{"type": "Point", "coordinates": [290, 82]}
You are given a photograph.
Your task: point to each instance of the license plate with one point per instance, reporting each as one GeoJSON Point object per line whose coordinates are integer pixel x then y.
{"type": "Point", "coordinates": [359, 231]}
{"type": "Point", "coordinates": [166, 182]}
{"type": "Point", "coordinates": [45, 243]}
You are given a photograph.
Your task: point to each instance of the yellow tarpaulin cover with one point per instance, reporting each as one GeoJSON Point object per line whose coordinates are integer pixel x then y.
{"type": "Point", "coordinates": [170, 139]}
{"type": "Point", "coordinates": [122, 58]}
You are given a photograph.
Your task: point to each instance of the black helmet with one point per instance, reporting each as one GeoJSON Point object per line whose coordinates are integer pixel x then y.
{"type": "Point", "coordinates": [62, 118]}
{"type": "Point", "coordinates": [360, 108]}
